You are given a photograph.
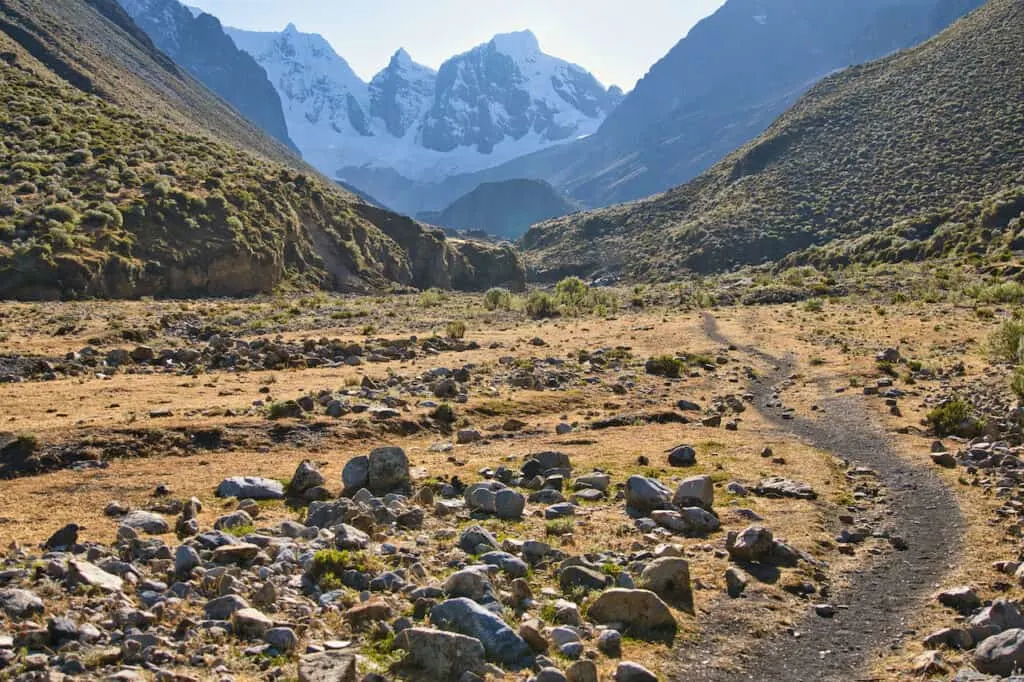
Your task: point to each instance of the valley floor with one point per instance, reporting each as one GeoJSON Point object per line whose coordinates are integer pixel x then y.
{"type": "Point", "coordinates": [787, 408]}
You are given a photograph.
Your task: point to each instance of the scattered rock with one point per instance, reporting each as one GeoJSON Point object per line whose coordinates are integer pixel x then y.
{"type": "Point", "coordinates": [251, 487]}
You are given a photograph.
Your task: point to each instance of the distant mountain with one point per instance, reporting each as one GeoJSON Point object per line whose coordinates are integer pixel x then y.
{"type": "Point", "coordinates": [498, 101]}
{"type": "Point", "coordinates": [717, 89]}
{"type": "Point", "coordinates": [197, 41]}
{"type": "Point", "coordinates": [503, 209]}
{"type": "Point", "coordinates": [896, 159]}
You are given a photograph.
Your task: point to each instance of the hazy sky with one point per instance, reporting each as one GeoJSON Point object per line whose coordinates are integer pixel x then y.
{"type": "Point", "coordinates": [617, 41]}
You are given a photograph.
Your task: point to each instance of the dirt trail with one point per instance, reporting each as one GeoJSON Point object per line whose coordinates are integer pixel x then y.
{"type": "Point", "coordinates": [882, 596]}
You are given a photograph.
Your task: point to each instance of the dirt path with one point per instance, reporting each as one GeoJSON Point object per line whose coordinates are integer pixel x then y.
{"type": "Point", "coordinates": [882, 596]}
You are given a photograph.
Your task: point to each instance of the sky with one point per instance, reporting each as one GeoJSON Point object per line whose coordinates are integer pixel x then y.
{"type": "Point", "coordinates": [616, 41]}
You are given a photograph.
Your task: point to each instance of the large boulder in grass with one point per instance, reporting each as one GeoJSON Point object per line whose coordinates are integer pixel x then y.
{"type": "Point", "coordinates": [251, 487]}
{"type": "Point", "coordinates": [644, 495]}
{"type": "Point", "coordinates": [501, 643]}
{"type": "Point", "coordinates": [1001, 654]}
{"type": "Point", "coordinates": [440, 655]}
{"type": "Point", "coordinates": [641, 612]}
{"type": "Point", "coordinates": [388, 471]}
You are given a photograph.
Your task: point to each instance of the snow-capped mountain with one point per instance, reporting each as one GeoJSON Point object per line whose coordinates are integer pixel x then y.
{"type": "Point", "coordinates": [197, 41]}
{"type": "Point", "coordinates": [494, 103]}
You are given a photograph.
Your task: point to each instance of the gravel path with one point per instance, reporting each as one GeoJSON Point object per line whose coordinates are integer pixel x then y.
{"type": "Point", "coordinates": [883, 596]}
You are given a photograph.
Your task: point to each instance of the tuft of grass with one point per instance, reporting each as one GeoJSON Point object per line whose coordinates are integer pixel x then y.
{"type": "Point", "coordinates": [456, 329]}
{"type": "Point", "coordinates": [559, 527]}
{"type": "Point", "coordinates": [665, 366]}
{"type": "Point", "coordinates": [954, 418]}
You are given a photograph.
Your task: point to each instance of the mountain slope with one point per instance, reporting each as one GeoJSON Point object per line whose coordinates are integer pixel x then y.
{"type": "Point", "coordinates": [496, 102]}
{"type": "Point", "coordinates": [917, 132]}
{"type": "Point", "coordinates": [198, 43]}
{"type": "Point", "coordinates": [503, 209]}
{"type": "Point", "coordinates": [122, 176]}
{"type": "Point", "coordinates": [720, 87]}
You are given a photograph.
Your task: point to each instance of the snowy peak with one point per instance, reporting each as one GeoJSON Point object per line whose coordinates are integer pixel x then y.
{"type": "Point", "coordinates": [507, 89]}
{"type": "Point", "coordinates": [316, 85]}
{"type": "Point", "coordinates": [401, 94]}
{"type": "Point", "coordinates": [518, 45]}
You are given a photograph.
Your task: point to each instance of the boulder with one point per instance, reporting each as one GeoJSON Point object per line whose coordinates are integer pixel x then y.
{"type": "Point", "coordinates": [641, 611]}
{"type": "Point", "coordinates": [1001, 654]}
{"type": "Point", "coordinates": [234, 520]}
{"type": "Point", "coordinates": [501, 644]}
{"type": "Point", "coordinates": [776, 486]}
{"type": "Point", "coordinates": [250, 623]}
{"type": "Point", "coordinates": [221, 608]}
{"type": "Point", "coordinates": [350, 538]}
{"type": "Point", "coordinates": [147, 522]}
{"type": "Point", "coordinates": [328, 666]}
{"type": "Point", "coordinates": [509, 504]}
{"type": "Point", "coordinates": [754, 543]}
{"type": "Point", "coordinates": [440, 655]}
{"type": "Point", "coordinates": [646, 494]}
{"type": "Point", "coordinates": [355, 475]}
{"type": "Point", "coordinates": [84, 573]}
{"type": "Point", "coordinates": [388, 471]}
{"type": "Point", "coordinates": [19, 604]}
{"type": "Point", "coordinates": [698, 491]}
{"type": "Point", "coordinates": [306, 477]}
{"type": "Point", "coordinates": [475, 537]}
{"type": "Point", "coordinates": [572, 578]}
{"type": "Point", "coordinates": [628, 671]}
{"type": "Point", "coordinates": [669, 578]}
{"type": "Point", "coordinates": [689, 520]}
{"type": "Point", "coordinates": [251, 487]}
{"type": "Point", "coordinates": [682, 456]}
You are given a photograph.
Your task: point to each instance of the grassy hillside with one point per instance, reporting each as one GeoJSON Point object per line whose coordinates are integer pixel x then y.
{"type": "Point", "coordinates": [907, 137]}
{"type": "Point", "coordinates": [120, 176]}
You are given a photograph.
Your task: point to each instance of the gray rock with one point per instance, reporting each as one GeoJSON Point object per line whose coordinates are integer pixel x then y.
{"type": "Point", "coordinates": [682, 456]}
{"type": "Point", "coordinates": [238, 553]}
{"type": "Point", "coordinates": [963, 599]}
{"type": "Point", "coordinates": [777, 487]}
{"type": "Point", "coordinates": [221, 608]}
{"type": "Point", "coordinates": [252, 487]}
{"type": "Point", "coordinates": [236, 519]}
{"type": "Point", "coordinates": [389, 471]}
{"type": "Point", "coordinates": [283, 639]}
{"type": "Point", "coordinates": [573, 578]}
{"type": "Point", "coordinates": [511, 565]}
{"type": "Point", "coordinates": [350, 538]}
{"type": "Point", "coordinates": [19, 604]}
{"type": "Point", "coordinates": [356, 474]}
{"type": "Point", "coordinates": [646, 494]}
{"type": "Point", "coordinates": [185, 560]}
{"type": "Point", "coordinates": [609, 643]}
{"type": "Point", "coordinates": [501, 644]}
{"type": "Point", "coordinates": [582, 671]}
{"type": "Point", "coordinates": [471, 583]}
{"type": "Point", "coordinates": [689, 520]}
{"type": "Point", "coordinates": [84, 573]}
{"type": "Point", "coordinates": [509, 505]}
{"type": "Point", "coordinates": [147, 522]}
{"type": "Point", "coordinates": [481, 498]}
{"type": "Point", "coordinates": [641, 611]}
{"type": "Point", "coordinates": [327, 514]}
{"type": "Point", "coordinates": [633, 672]}
{"type": "Point", "coordinates": [1001, 654]}
{"type": "Point", "coordinates": [250, 623]}
{"type": "Point", "coordinates": [441, 655]}
{"type": "Point", "coordinates": [736, 581]}
{"type": "Point", "coordinates": [474, 537]}
{"type": "Point", "coordinates": [669, 578]}
{"type": "Point", "coordinates": [328, 666]}
{"type": "Point", "coordinates": [560, 510]}
{"type": "Point", "coordinates": [698, 491]}
{"type": "Point", "coordinates": [550, 675]}
{"type": "Point", "coordinates": [306, 476]}
{"type": "Point", "coordinates": [597, 480]}
{"type": "Point", "coordinates": [754, 543]}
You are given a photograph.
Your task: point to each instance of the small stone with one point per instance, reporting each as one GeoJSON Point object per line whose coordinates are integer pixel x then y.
{"type": "Point", "coordinates": [633, 672]}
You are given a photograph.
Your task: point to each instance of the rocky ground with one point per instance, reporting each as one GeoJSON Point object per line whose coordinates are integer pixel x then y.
{"type": "Point", "coordinates": [338, 489]}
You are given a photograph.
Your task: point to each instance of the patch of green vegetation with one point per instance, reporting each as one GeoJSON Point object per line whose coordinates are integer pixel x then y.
{"type": "Point", "coordinates": [1006, 344]}
{"type": "Point", "coordinates": [329, 565]}
{"type": "Point", "coordinates": [665, 366]}
{"type": "Point", "coordinates": [498, 299]}
{"type": "Point", "coordinates": [540, 305]}
{"type": "Point", "coordinates": [559, 527]}
{"type": "Point", "coordinates": [955, 418]}
{"type": "Point", "coordinates": [456, 329]}
{"type": "Point", "coordinates": [242, 531]}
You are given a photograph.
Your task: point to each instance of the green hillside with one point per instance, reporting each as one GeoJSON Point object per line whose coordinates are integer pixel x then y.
{"type": "Point", "coordinates": [913, 137]}
{"type": "Point", "coordinates": [120, 176]}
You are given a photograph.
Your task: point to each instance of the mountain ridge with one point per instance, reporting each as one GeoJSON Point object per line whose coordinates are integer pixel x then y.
{"type": "Point", "coordinates": [914, 133]}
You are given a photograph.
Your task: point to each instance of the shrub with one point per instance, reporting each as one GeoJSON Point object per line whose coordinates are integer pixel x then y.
{"type": "Point", "coordinates": [60, 213]}
{"type": "Point", "coordinates": [431, 298]}
{"type": "Point", "coordinates": [1017, 383]}
{"type": "Point", "coordinates": [498, 299]}
{"type": "Point", "coordinates": [456, 329]}
{"type": "Point", "coordinates": [1006, 344]}
{"type": "Point", "coordinates": [954, 418]}
{"type": "Point", "coordinates": [572, 292]}
{"type": "Point", "coordinates": [540, 305]}
{"type": "Point", "coordinates": [664, 366]}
